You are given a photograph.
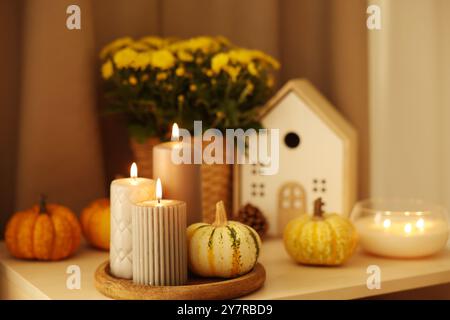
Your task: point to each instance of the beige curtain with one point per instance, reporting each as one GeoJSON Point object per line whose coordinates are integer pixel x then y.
{"type": "Point", "coordinates": [55, 141]}
{"type": "Point", "coordinates": [409, 107]}
{"type": "Point", "coordinates": [58, 152]}
{"type": "Point", "coordinates": [10, 29]}
{"type": "Point", "coordinates": [410, 100]}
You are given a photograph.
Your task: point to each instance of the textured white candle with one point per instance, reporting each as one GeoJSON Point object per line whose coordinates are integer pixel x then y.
{"type": "Point", "coordinates": [125, 192]}
{"type": "Point", "coordinates": [159, 243]}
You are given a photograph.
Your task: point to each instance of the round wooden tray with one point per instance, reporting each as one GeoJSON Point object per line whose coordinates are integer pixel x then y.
{"type": "Point", "coordinates": [196, 288]}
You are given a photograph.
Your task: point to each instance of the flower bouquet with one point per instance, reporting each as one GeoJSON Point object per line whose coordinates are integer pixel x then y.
{"type": "Point", "coordinates": [155, 82]}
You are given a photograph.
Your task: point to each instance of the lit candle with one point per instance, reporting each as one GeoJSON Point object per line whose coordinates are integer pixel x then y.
{"type": "Point", "coordinates": [420, 224]}
{"type": "Point", "coordinates": [124, 192]}
{"type": "Point", "coordinates": [402, 235]}
{"type": "Point", "coordinates": [159, 241]}
{"type": "Point", "coordinates": [181, 181]}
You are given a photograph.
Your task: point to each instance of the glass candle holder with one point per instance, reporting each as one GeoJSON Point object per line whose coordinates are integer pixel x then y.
{"type": "Point", "coordinates": [401, 228]}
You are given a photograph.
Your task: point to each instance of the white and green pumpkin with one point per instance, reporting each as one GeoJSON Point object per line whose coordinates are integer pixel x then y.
{"type": "Point", "coordinates": [223, 249]}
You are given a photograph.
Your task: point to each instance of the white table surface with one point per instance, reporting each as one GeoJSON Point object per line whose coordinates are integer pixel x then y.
{"type": "Point", "coordinates": [21, 279]}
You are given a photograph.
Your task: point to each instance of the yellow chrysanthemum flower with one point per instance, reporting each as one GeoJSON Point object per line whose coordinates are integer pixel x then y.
{"type": "Point", "coordinates": [219, 61]}
{"type": "Point", "coordinates": [204, 44]}
{"type": "Point", "coordinates": [139, 46]}
{"type": "Point", "coordinates": [199, 60]}
{"type": "Point", "coordinates": [180, 71]}
{"type": "Point", "coordinates": [113, 46]}
{"type": "Point", "coordinates": [251, 67]}
{"type": "Point", "coordinates": [185, 56]}
{"type": "Point", "coordinates": [249, 87]}
{"type": "Point", "coordinates": [132, 80]}
{"type": "Point", "coordinates": [124, 58]}
{"type": "Point", "coordinates": [241, 56]}
{"type": "Point", "coordinates": [245, 56]}
{"type": "Point", "coordinates": [142, 60]}
{"type": "Point", "coordinates": [155, 42]}
{"type": "Point", "coordinates": [266, 58]}
{"type": "Point", "coordinates": [163, 59]}
{"type": "Point", "coordinates": [161, 76]}
{"type": "Point", "coordinates": [233, 72]}
{"type": "Point", "coordinates": [107, 70]}
{"type": "Point", "coordinates": [223, 40]}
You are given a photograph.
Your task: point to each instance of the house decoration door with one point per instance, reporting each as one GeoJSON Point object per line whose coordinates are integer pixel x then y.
{"type": "Point", "coordinates": [291, 204]}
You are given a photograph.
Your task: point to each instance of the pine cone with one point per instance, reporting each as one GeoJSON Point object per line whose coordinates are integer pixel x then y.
{"type": "Point", "coordinates": [253, 217]}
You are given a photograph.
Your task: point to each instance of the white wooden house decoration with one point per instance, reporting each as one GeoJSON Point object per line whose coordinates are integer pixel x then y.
{"type": "Point", "coordinates": [317, 159]}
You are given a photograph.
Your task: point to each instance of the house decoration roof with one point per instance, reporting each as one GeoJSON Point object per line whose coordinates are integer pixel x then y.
{"type": "Point", "coordinates": [317, 103]}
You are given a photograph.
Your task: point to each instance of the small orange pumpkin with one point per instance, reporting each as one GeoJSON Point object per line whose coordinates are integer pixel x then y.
{"type": "Point", "coordinates": [96, 225]}
{"type": "Point", "coordinates": [44, 232]}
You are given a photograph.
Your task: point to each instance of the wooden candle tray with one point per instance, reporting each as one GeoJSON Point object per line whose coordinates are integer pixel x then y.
{"type": "Point", "coordinates": [196, 289]}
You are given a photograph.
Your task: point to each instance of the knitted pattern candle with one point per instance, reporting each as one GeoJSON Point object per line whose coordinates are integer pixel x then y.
{"type": "Point", "coordinates": [124, 192]}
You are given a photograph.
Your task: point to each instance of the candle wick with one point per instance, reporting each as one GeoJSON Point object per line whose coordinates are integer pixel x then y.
{"type": "Point", "coordinates": [159, 200]}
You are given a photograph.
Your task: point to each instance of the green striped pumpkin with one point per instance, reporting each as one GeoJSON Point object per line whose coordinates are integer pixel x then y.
{"type": "Point", "coordinates": [224, 249]}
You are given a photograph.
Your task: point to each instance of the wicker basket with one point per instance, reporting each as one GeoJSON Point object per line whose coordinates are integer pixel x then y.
{"type": "Point", "coordinates": [217, 184]}
{"type": "Point", "coordinates": [216, 179]}
{"type": "Point", "coordinates": [143, 153]}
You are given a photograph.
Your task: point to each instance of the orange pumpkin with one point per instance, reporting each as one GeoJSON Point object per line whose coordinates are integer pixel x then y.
{"type": "Point", "coordinates": [96, 225]}
{"type": "Point", "coordinates": [44, 232]}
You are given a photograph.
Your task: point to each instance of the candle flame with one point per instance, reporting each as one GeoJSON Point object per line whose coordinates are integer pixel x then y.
{"type": "Point", "coordinates": [420, 223]}
{"type": "Point", "coordinates": [386, 223]}
{"type": "Point", "coordinates": [408, 228]}
{"type": "Point", "coordinates": [133, 170]}
{"type": "Point", "coordinates": [158, 189]}
{"type": "Point", "coordinates": [175, 132]}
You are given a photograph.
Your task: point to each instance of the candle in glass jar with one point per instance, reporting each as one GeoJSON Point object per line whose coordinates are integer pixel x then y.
{"type": "Point", "coordinates": [125, 192]}
{"type": "Point", "coordinates": [402, 235]}
{"type": "Point", "coordinates": [181, 181]}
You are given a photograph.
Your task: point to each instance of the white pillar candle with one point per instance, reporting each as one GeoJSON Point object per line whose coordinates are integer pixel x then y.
{"type": "Point", "coordinates": [181, 181]}
{"type": "Point", "coordinates": [125, 192]}
{"type": "Point", "coordinates": [159, 242]}
{"type": "Point", "coordinates": [402, 236]}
